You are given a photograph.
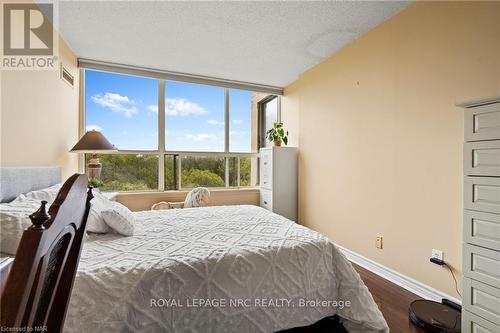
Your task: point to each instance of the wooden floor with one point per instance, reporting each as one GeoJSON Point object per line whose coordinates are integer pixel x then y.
{"type": "Point", "coordinates": [392, 300]}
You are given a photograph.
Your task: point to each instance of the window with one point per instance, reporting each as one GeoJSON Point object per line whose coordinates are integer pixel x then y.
{"type": "Point", "coordinates": [203, 171]}
{"type": "Point", "coordinates": [194, 117]}
{"type": "Point", "coordinates": [240, 121]}
{"type": "Point", "coordinates": [128, 172]}
{"type": "Point", "coordinates": [243, 171]}
{"type": "Point", "coordinates": [207, 136]}
{"type": "Point", "coordinates": [171, 179]}
{"type": "Point", "coordinates": [268, 115]}
{"type": "Point", "coordinates": [117, 105]}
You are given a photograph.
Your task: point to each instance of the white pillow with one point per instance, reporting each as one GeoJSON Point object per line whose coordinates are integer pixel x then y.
{"type": "Point", "coordinates": [13, 220]}
{"type": "Point", "coordinates": [119, 218]}
{"type": "Point", "coordinates": [14, 215]}
{"type": "Point", "coordinates": [48, 194]}
{"type": "Point", "coordinates": [95, 221]}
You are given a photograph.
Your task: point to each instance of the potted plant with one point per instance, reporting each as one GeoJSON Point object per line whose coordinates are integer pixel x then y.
{"type": "Point", "coordinates": [95, 183]}
{"type": "Point", "coordinates": [277, 134]}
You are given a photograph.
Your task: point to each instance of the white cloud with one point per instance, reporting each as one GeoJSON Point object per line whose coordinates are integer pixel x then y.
{"type": "Point", "coordinates": [238, 121]}
{"type": "Point", "coordinates": [214, 122]}
{"type": "Point", "coordinates": [153, 108]}
{"type": "Point", "coordinates": [182, 107]}
{"type": "Point", "coordinates": [237, 133]}
{"type": "Point", "coordinates": [116, 102]}
{"type": "Point", "coordinates": [199, 137]}
{"type": "Point", "coordinates": [93, 128]}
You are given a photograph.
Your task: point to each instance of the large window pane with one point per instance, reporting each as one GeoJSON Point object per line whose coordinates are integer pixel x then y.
{"type": "Point", "coordinates": [202, 171]}
{"type": "Point", "coordinates": [240, 115]}
{"type": "Point", "coordinates": [124, 108]}
{"type": "Point", "coordinates": [194, 117]}
{"type": "Point", "coordinates": [248, 171]}
{"type": "Point", "coordinates": [128, 172]}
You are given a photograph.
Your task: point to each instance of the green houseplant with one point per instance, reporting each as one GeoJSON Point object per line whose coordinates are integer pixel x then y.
{"type": "Point", "coordinates": [95, 183]}
{"type": "Point", "coordinates": [277, 134]}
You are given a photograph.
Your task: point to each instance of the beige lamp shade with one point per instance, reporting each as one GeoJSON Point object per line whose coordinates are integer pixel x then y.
{"type": "Point", "coordinates": [93, 142]}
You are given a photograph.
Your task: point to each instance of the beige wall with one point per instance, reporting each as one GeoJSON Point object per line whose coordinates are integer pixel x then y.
{"type": "Point", "coordinates": [381, 140]}
{"type": "Point", "coordinates": [144, 200]}
{"type": "Point", "coordinates": [39, 116]}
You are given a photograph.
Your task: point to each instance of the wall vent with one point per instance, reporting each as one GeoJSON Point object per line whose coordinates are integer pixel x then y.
{"type": "Point", "coordinates": [67, 77]}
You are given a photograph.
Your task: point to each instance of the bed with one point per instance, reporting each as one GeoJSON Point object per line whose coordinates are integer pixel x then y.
{"type": "Point", "coordinates": [216, 269]}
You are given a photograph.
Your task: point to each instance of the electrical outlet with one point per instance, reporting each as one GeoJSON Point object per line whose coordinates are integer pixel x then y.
{"type": "Point", "coordinates": [378, 242]}
{"type": "Point", "coordinates": [437, 254]}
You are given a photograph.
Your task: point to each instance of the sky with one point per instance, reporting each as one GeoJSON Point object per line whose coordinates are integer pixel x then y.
{"type": "Point", "coordinates": [125, 109]}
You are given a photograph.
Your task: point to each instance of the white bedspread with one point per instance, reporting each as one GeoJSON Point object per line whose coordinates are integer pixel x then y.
{"type": "Point", "coordinates": [257, 270]}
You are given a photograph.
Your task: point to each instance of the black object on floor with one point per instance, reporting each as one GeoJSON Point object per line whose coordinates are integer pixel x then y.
{"type": "Point", "coordinates": [435, 317]}
{"type": "Point", "coordinates": [325, 325]}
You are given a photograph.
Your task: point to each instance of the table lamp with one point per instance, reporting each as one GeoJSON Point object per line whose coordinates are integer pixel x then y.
{"type": "Point", "coordinates": [93, 142]}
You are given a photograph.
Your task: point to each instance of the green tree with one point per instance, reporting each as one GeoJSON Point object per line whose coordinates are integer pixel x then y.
{"type": "Point", "coordinates": [170, 181]}
{"type": "Point", "coordinates": [245, 171]}
{"type": "Point", "coordinates": [196, 178]}
{"type": "Point", "coordinates": [135, 172]}
{"type": "Point", "coordinates": [127, 172]}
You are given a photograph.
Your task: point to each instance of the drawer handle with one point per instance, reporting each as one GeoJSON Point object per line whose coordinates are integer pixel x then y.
{"type": "Point", "coordinates": [265, 182]}
{"type": "Point", "coordinates": [265, 163]}
{"type": "Point", "coordinates": [265, 202]}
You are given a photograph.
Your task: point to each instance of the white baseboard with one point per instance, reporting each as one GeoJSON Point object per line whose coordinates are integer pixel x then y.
{"type": "Point", "coordinates": [412, 285]}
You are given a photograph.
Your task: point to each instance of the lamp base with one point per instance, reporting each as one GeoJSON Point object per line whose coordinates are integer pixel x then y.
{"type": "Point", "coordinates": [94, 168]}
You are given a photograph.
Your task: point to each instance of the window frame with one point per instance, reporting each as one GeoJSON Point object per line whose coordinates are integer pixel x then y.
{"type": "Point", "coordinates": [161, 150]}
{"type": "Point", "coordinates": [261, 108]}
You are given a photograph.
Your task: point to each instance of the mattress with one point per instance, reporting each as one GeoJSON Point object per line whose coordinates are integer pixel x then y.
{"type": "Point", "coordinates": [216, 269]}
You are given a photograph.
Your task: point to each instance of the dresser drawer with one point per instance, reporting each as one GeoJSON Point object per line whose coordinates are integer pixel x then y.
{"type": "Point", "coordinates": [482, 300]}
{"type": "Point", "coordinates": [266, 178]}
{"type": "Point", "coordinates": [266, 169]}
{"type": "Point", "coordinates": [266, 199]}
{"type": "Point", "coordinates": [482, 194]}
{"type": "Point", "coordinates": [482, 123]}
{"type": "Point", "coordinates": [482, 229]}
{"type": "Point", "coordinates": [482, 158]}
{"type": "Point", "coordinates": [266, 156]}
{"type": "Point", "coordinates": [482, 264]}
{"type": "Point", "coordinates": [475, 324]}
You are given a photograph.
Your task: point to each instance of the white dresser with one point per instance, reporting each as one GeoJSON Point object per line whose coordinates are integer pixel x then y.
{"type": "Point", "coordinates": [278, 180]}
{"type": "Point", "coordinates": [481, 247]}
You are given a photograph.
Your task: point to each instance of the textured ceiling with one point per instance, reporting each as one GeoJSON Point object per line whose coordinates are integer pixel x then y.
{"type": "Point", "coordinates": [268, 43]}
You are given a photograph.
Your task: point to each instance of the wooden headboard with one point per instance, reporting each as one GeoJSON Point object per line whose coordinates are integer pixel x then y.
{"type": "Point", "coordinates": [38, 288]}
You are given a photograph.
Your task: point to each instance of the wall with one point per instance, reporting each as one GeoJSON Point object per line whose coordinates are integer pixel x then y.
{"type": "Point", "coordinates": [380, 136]}
{"type": "Point", "coordinates": [144, 200]}
{"type": "Point", "coordinates": [39, 116]}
